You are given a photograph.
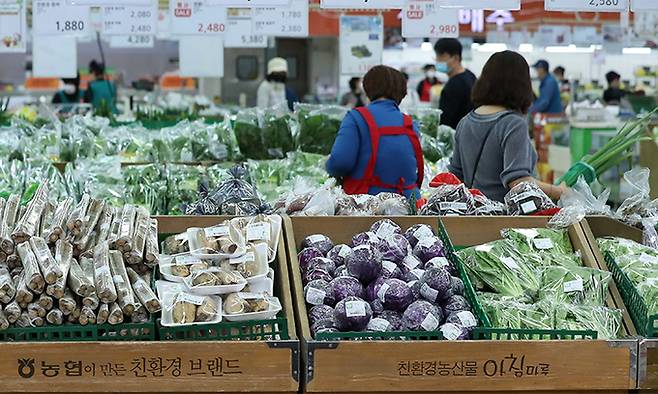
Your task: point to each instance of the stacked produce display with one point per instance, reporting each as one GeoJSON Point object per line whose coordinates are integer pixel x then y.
{"type": "Point", "coordinates": [386, 280]}
{"type": "Point", "coordinates": [532, 279]}
{"type": "Point", "coordinates": [75, 263]}
{"type": "Point", "coordinates": [220, 273]}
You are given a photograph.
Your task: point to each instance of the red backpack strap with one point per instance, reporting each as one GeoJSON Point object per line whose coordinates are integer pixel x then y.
{"type": "Point", "coordinates": [373, 129]}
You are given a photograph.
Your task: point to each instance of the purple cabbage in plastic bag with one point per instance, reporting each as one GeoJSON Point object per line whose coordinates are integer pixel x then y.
{"type": "Point", "coordinates": [339, 254]}
{"type": "Point", "coordinates": [322, 263]}
{"type": "Point", "coordinates": [464, 319]}
{"type": "Point", "coordinates": [365, 263]}
{"type": "Point", "coordinates": [395, 294]}
{"type": "Point", "coordinates": [319, 241]}
{"type": "Point", "coordinates": [454, 332]}
{"type": "Point", "coordinates": [385, 228]}
{"type": "Point", "coordinates": [417, 232]}
{"type": "Point", "coordinates": [456, 303]}
{"type": "Point", "coordinates": [457, 286]}
{"type": "Point", "coordinates": [440, 262]}
{"type": "Point", "coordinates": [352, 314]}
{"type": "Point", "coordinates": [377, 307]}
{"type": "Point", "coordinates": [317, 274]}
{"type": "Point", "coordinates": [367, 238]}
{"type": "Point", "coordinates": [320, 312]}
{"type": "Point", "coordinates": [323, 326]}
{"type": "Point", "coordinates": [305, 257]}
{"type": "Point", "coordinates": [411, 275]}
{"type": "Point", "coordinates": [341, 271]}
{"type": "Point", "coordinates": [435, 283]}
{"type": "Point", "coordinates": [395, 248]}
{"type": "Point", "coordinates": [373, 288]}
{"type": "Point", "coordinates": [422, 316]}
{"type": "Point", "coordinates": [429, 248]}
{"type": "Point", "coordinates": [391, 270]}
{"type": "Point", "coordinates": [394, 318]}
{"type": "Point", "coordinates": [346, 286]}
{"type": "Point", "coordinates": [318, 292]}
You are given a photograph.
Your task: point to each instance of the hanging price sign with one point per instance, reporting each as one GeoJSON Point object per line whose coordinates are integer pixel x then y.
{"type": "Point", "coordinates": [13, 26]}
{"type": "Point", "coordinates": [365, 4]}
{"type": "Point", "coordinates": [132, 41]}
{"type": "Point", "coordinates": [196, 18]}
{"type": "Point", "coordinates": [421, 18]}
{"type": "Point", "coordinates": [291, 21]}
{"type": "Point", "coordinates": [57, 17]}
{"type": "Point", "coordinates": [513, 5]}
{"type": "Point", "coordinates": [239, 31]}
{"type": "Point", "coordinates": [109, 2]}
{"type": "Point", "coordinates": [130, 20]}
{"type": "Point", "coordinates": [248, 3]}
{"type": "Point", "coordinates": [586, 5]}
{"type": "Point", "coordinates": [644, 5]}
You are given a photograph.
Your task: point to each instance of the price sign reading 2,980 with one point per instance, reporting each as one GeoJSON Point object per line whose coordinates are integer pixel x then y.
{"type": "Point", "coordinates": [586, 5]}
{"type": "Point", "coordinates": [57, 17]}
{"type": "Point", "coordinates": [123, 20]}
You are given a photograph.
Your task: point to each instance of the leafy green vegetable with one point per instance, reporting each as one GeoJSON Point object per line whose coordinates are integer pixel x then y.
{"type": "Point", "coordinates": [277, 132]}
{"type": "Point", "coordinates": [543, 247]}
{"type": "Point", "coordinates": [574, 285]}
{"type": "Point", "coordinates": [250, 135]}
{"type": "Point", "coordinates": [318, 127]}
{"type": "Point", "coordinates": [607, 322]}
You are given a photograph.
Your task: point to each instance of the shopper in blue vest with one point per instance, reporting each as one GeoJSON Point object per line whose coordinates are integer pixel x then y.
{"type": "Point", "coordinates": [378, 147]}
{"type": "Point", "coordinates": [100, 91]}
{"type": "Point", "coordinates": [549, 101]}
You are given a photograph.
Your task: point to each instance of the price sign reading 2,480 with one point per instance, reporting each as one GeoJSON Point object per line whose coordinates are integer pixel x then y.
{"type": "Point", "coordinates": [210, 27]}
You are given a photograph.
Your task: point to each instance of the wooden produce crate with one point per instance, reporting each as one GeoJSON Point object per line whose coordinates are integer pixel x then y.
{"type": "Point", "coordinates": [158, 366]}
{"type": "Point", "coordinates": [445, 366]}
{"type": "Point", "coordinates": [595, 227]}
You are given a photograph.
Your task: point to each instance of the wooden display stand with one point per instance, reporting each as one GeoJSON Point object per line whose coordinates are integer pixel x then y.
{"type": "Point", "coordinates": [599, 226]}
{"type": "Point", "coordinates": [465, 366]}
{"type": "Point", "coordinates": [161, 366]}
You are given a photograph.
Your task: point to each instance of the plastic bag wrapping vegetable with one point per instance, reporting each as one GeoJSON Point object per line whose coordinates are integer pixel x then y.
{"type": "Point", "coordinates": [579, 201]}
{"type": "Point", "coordinates": [9, 182]}
{"type": "Point", "coordinates": [486, 207]}
{"type": "Point", "coordinates": [11, 138]}
{"type": "Point", "coordinates": [606, 321]}
{"type": "Point", "coordinates": [277, 132]}
{"type": "Point", "coordinates": [100, 177]}
{"type": "Point", "coordinates": [37, 171]}
{"type": "Point", "coordinates": [502, 268]}
{"type": "Point", "coordinates": [574, 285]}
{"type": "Point", "coordinates": [527, 198]}
{"type": "Point", "coordinates": [508, 313]}
{"type": "Point", "coordinates": [249, 134]}
{"type": "Point", "coordinates": [438, 147]}
{"type": "Point", "coordinates": [543, 247]}
{"type": "Point", "coordinates": [222, 134]}
{"type": "Point", "coordinates": [427, 119]}
{"type": "Point", "coordinates": [268, 175]}
{"type": "Point", "coordinates": [638, 205]}
{"type": "Point", "coordinates": [132, 142]}
{"type": "Point", "coordinates": [146, 185]}
{"type": "Point", "coordinates": [450, 200]}
{"type": "Point", "coordinates": [318, 126]}
{"type": "Point", "coordinates": [649, 233]}
{"type": "Point", "coordinates": [182, 186]}
{"type": "Point", "coordinates": [235, 196]}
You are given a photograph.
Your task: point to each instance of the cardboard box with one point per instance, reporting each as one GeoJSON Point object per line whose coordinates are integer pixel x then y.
{"type": "Point", "coordinates": [160, 366]}
{"type": "Point", "coordinates": [388, 366]}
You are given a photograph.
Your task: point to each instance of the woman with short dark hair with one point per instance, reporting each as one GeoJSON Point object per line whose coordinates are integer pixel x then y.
{"type": "Point", "coordinates": [378, 148]}
{"type": "Point", "coordinates": [100, 91]}
{"type": "Point", "coordinates": [493, 152]}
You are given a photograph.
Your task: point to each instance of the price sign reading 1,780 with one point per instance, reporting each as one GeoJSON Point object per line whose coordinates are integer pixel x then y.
{"type": "Point", "coordinates": [587, 5]}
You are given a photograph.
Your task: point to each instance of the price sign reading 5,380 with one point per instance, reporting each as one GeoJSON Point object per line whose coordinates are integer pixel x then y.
{"type": "Point", "coordinates": [57, 17]}
{"type": "Point", "coordinates": [122, 20]}
{"type": "Point", "coordinates": [586, 5]}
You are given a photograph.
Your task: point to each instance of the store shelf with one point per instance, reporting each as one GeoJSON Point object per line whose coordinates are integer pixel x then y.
{"type": "Point", "coordinates": [411, 366]}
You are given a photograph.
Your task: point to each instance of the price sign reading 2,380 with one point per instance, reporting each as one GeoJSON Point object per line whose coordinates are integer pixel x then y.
{"type": "Point", "coordinates": [290, 21]}
{"type": "Point", "coordinates": [57, 17]}
{"type": "Point", "coordinates": [586, 5]}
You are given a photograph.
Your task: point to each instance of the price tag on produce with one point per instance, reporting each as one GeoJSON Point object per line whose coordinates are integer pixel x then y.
{"type": "Point", "coordinates": [362, 4]}
{"type": "Point", "coordinates": [239, 30]}
{"type": "Point", "coordinates": [586, 5]}
{"type": "Point", "coordinates": [513, 5]}
{"type": "Point", "coordinates": [421, 18]}
{"type": "Point", "coordinates": [13, 26]}
{"type": "Point", "coordinates": [189, 18]}
{"type": "Point", "coordinates": [290, 21]}
{"type": "Point", "coordinates": [130, 20]}
{"type": "Point", "coordinates": [132, 41]}
{"type": "Point", "coordinates": [644, 5]}
{"type": "Point", "coordinates": [57, 17]}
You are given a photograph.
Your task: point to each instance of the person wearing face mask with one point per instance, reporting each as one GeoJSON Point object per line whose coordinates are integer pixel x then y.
{"type": "Point", "coordinates": [424, 87]}
{"type": "Point", "coordinates": [455, 99]}
{"type": "Point", "coordinates": [355, 97]}
{"type": "Point", "coordinates": [549, 101]}
{"type": "Point", "coordinates": [272, 91]}
{"type": "Point", "coordinates": [377, 148]}
{"type": "Point", "coordinates": [70, 94]}
{"type": "Point", "coordinates": [613, 94]}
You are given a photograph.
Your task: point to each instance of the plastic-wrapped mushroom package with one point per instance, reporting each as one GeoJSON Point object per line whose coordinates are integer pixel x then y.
{"type": "Point", "coordinates": [450, 200]}
{"type": "Point", "coordinates": [527, 198]}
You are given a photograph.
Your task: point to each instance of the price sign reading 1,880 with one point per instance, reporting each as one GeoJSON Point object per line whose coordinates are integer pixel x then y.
{"type": "Point", "coordinates": [586, 5]}
{"type": "Point", "coordinates": [57, 17]}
